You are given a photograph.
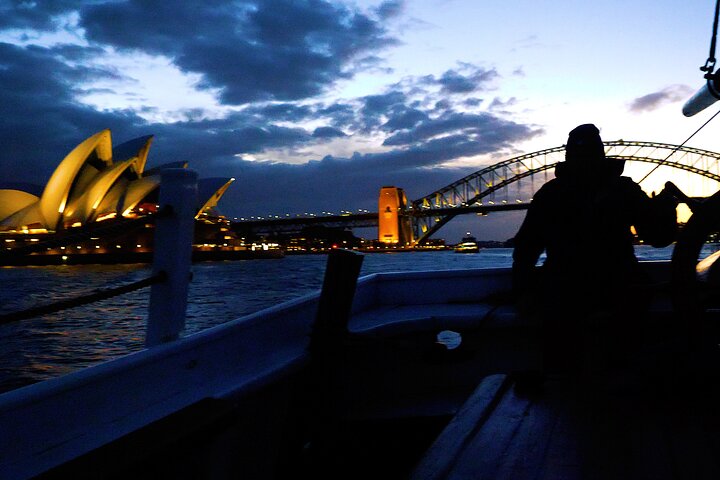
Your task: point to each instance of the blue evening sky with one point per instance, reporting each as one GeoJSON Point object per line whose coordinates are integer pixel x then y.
{"type": "Point", "coordinates": [314, 105]}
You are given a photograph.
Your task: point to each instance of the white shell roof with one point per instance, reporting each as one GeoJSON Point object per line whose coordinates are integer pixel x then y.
{"type": "Point", "coordinates": [95, 179]}
{"type": "Point", "coordinates": [12, 201]}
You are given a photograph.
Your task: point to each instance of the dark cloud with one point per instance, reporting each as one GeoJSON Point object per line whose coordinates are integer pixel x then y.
{"type": "Point", "coordinates": [341, 114]}
{"type": "Point", "coordinates": [328, 132]}
{"type": "Point", "coordinates": [374, 109]}
{"type": "Point", "coordinates": [353, 182]}
{"type": "Point", "coordinates": [500, 105]}
{"type": "Point", "coordinates": [40, 15]}
{"type": "Point", "coordinates": [465, 79]}
{"type": "Point", "coordinates": [479, 128]}
{"type": "Point", "coordinates": [331, 184]}
{"type": "Point", "coordinates": [37, 84]}
{"type": "Point", "coordinates": [655, 100]}
{"type": "Point", "coordinates": [99, 91]}
{"type": "Point", "coordinates": [41, 119]}
{"type": "Point", "coordinates": [381, 104]}
{"type": "Point", "coordinates": [203, 142]}
{"type": "Point", "coordinates": [273, 58]}
{"type": "Point", "coordinates": [442, 105]}
{"type": "Point", "coordinates": [270, 136]}
{"type": "Point", "coordinates": [286, 112]}
{"type": "Point", "coordinates": [454, 81]}
{"type": "Point", "coordinates": [357, 179]}
{"type": "Point", "coordinates": [248, 51]}
{"type": "Point", "coordinates": [214, 146]}
{"type": "Point", "coordinates": [404, 119]}
{"type": "Point", "coordinates": [390, 8]}
{"type": "Point", "coordinates": [77, 53]}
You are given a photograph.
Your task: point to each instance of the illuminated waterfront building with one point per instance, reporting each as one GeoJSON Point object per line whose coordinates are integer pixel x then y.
{"type": "Point", "coordinates": [97, 184]}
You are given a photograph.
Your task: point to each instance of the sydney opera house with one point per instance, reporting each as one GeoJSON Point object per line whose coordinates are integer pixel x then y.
{"type": "Point", "coordinates": [98, 185]}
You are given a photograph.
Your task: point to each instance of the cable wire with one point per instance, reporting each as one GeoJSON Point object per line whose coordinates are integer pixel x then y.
{"type": "Point", "coordinates": [665, 161]}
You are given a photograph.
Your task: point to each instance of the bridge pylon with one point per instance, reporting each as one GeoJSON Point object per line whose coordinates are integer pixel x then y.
{"type": "Point", "coordinates": [394, 225]}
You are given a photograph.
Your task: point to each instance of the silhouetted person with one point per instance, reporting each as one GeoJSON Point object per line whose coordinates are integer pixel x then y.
{"type": "Point", "coordinates": [582, 219]}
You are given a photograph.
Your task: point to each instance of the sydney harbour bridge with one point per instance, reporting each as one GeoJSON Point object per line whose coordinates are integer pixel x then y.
{"type": "Point", "coordinates": [507, 185]}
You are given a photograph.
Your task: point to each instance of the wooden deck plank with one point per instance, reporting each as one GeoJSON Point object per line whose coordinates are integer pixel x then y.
{"type": "Point", "coordinates": [442, 456]}
{"type": "Point", "coordinates": [587, 429]}
{"type": "Point", "coordinates": [494, 440]}
{"type": "Point", "coordinates": [528, 453]}
{"type": "Point", "coordinates": [562, 454]}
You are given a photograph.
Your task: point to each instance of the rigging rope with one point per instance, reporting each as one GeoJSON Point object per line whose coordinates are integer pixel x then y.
{"type": "Point", "coordinates": [708, 69]}
{"type": "Point", "coordinates": [98, 295]}
{"type": "Point", "coordinates": [665, 161]}
{"type": "Point", "coordinates": [710, 62]}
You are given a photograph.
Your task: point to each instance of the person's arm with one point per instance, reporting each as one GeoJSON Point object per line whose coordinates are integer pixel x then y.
{"type": "Point", "coordinates": [529, 245]}
{"type": "Point", "coordinates": [655, 218]}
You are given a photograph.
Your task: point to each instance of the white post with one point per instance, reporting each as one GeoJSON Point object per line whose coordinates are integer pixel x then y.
{"type": "Point", "coordinates": [172, 254]}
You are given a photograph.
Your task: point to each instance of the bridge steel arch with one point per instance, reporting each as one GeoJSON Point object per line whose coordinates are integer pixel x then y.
{"type": "Point", "coordinates": [473, 188]}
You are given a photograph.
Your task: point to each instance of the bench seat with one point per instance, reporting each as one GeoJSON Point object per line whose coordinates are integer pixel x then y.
{"type": "Point", "coordinates": [397, 319]}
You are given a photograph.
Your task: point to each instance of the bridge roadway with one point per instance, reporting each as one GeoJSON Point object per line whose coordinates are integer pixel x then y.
{"type": "Point", "coordinates": [360, 220]}
{"type": "Point", "coordinates": [432, 212]}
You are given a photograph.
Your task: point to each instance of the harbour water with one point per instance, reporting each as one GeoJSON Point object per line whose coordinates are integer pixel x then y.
{"type": "Point", "coordinates": [52, 345]}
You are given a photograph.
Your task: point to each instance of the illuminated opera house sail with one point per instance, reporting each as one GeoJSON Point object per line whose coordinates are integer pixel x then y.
{"type": "Point", "coordinates": [100, 184]}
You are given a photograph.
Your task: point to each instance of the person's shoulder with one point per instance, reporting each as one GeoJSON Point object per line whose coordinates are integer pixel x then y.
{"type": "Point", "coordinates": [628, 180]}
{"type": "Point", "coordinates": [550, 186]}
{"type": "Point", "coordinates": [548, 193]}
{"type": "Point", "coordinates": [627, 183]}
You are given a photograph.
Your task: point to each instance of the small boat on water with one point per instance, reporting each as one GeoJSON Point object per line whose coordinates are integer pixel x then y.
{"type": "Point", "coordinates": [468, 244]}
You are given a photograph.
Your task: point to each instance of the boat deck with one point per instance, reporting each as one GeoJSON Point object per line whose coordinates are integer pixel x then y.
{"type": "Point", "coordinates": [390, 396]}
{"type": "Point", "coordinates": [623, 427]}
{"type": "Point", "coordinates": [652, 415]}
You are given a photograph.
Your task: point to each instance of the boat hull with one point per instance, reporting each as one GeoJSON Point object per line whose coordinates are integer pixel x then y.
{"type": "Point", "coordinates": [251, 386]}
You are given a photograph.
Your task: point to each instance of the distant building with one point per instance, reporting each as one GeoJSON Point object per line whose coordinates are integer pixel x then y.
{"type": "Point", "coordinates": [99, 184]}
{"type": "Point", "coordinates": [93, 183]}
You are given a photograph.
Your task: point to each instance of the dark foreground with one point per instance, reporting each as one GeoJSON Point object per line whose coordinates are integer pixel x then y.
{"type": "Point", "coordinates": [656, 416]}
